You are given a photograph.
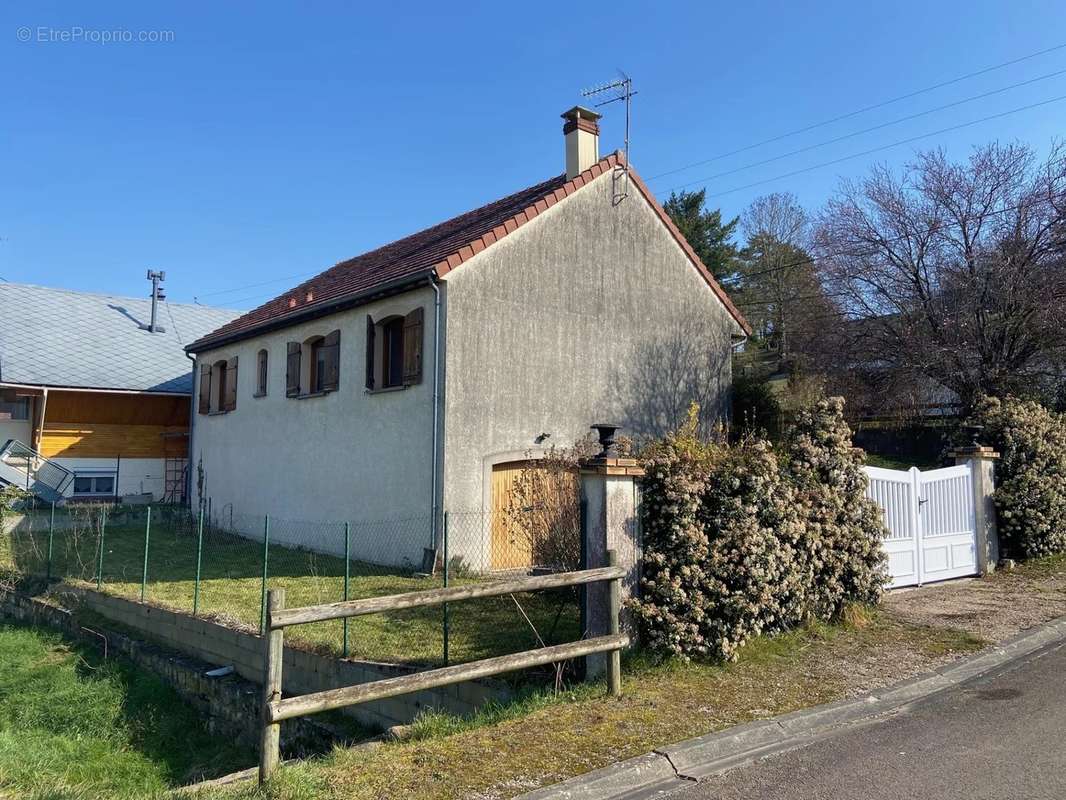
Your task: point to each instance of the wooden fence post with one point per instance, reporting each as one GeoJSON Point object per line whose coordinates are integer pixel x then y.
{"type": "Point", "coordinates": [274, 645]}
{"type": "Point", "coordinates": [614, 608]}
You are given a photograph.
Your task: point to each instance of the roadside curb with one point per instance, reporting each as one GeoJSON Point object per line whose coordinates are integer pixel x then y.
{"type": "Point", "coordinates": [669, 768]}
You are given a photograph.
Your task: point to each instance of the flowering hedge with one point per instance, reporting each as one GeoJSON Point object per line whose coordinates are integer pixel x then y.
{"type": "Point", "coordinates": [744, 540]}
{"type": "Point", "coordinates": [1030, 491]}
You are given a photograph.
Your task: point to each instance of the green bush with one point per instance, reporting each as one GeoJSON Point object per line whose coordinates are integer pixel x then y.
{"type": "Point", "coordinates": [1030, 494]}
{"type": "Point", "coordinates": [744, 540]}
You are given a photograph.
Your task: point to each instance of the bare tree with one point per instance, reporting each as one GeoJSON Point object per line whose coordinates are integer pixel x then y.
{"type": "Point", "coordinates": [951, 275]}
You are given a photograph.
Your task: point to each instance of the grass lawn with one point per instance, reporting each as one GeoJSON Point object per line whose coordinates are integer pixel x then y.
{"type": "Point", "coordinates": [73, 726]}
{"type": "Point", "coordinates": [543, 738]}
{"type": "Point", "coordinates": [231, 592]}
{"type": "Point", "coordinates": [896, 462]}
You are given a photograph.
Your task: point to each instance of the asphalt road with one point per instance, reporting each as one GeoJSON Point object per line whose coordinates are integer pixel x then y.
{"type": "Point", "coordinates": [1003, 737]}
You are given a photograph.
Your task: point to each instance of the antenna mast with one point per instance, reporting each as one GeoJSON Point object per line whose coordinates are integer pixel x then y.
{"type": "Point", "coordinates": [617, 90]}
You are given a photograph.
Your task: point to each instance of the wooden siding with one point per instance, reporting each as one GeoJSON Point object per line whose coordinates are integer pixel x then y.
{"type": "Point", "coordinates": [117, 409]}
{"type": "Point", "coordinates": [104, 425]}
{"type": "Point", "coordinates": [89, 440]}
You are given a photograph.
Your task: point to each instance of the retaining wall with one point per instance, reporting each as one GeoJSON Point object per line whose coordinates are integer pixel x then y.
{"type": "Point", "coordinates": [303, 671]}
{"type": "Point", "coordinates": [230, 705]}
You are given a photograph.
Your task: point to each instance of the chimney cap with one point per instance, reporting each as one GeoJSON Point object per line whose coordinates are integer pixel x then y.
{"type": "Point", "coordinates": [580, 112]}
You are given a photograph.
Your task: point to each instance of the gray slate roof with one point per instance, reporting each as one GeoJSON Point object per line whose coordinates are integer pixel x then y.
{"type": "Point", "coordinates": [56, 337]}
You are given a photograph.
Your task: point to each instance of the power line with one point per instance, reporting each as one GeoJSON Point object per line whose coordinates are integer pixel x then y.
{"type": "Point", "coordinates": [889, 124]}
{"type": "Point", "coordinates": [255, 285]}
{"type": "Point", "coordinates": [860, 111]}
{"type": "Point", "coordinates": [812, 259]}
{"type": "Point", "coordinates": [872, 150]}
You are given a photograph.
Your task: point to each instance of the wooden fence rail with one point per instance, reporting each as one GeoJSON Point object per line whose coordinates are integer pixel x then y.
{"type": "Point", "coordinates": [276, 709]}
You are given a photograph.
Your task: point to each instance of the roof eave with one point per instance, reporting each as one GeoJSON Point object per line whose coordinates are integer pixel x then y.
{"type": "Point", "coordinates": [343, 303]}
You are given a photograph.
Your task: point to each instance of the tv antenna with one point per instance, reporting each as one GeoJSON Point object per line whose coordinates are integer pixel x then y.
{"type": "Point", "coordinates": [618, 90]}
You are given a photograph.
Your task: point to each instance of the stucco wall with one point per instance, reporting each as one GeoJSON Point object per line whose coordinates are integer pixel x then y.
{"type": "Point", "coordinates": [589, 313]}
{"type": "Point", "coordinates": [346, 456]}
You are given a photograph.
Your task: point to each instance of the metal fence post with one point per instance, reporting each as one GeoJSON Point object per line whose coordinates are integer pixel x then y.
{"type": "Point", "coordinates": [147, 532]}
{"type": "Point", "coordinates": [199, 556]}
{"type": "Point", "coordinates": [447, 616]}
{"type": "Point", "coordinates": [51, 533]}
{"type": "Point", "coordinates": [614, 606]}
{"type": "Point", "coordinates": [347, 578]}
{"type": "Point", "coordinates": [100, 557]}
{"type": "Point", "coordinates": [266, 558]}
{"type": "Point", "coordinates": [274, 646]}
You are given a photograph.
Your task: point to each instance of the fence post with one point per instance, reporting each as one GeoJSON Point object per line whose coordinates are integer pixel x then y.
{"type": "Point", "coordinates": [51, 533]}
{"type": "Point", "coordinates": [347, 578]}
{"type": "Point", "coordinates": [274, 647]}
{"type": "Point", "coordinates": [199, 555]}
{"type": "Point", "coordinates": [147, 532]}
{"type": "Point", "coordinates": [447, 616]}
{"type": "Point", "coordinates": [614, 608]}
{"type": "Point", "coordinates": [100, 558]}
{"type": "Point", "coordinates": [266, 557]}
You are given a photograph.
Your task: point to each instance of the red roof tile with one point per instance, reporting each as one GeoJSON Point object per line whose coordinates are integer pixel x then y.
{"type": "Point", "coordinates": [436, 250]}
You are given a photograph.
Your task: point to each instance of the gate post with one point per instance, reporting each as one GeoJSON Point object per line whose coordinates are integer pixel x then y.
{"type": "Point", "coordinates": [982, 464]}
{"type": "Point", "coordinates": [610, 499]}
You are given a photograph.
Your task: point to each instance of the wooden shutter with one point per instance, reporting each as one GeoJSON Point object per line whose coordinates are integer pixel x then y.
{"type": "Point", "coordinates": [370, 333]}
{"type": "Point", "coordinates": [292, 370]}
{"type": "Point", "coordinates": [262, 365]}
{"type": "Point", "coordinates": [230, 401]}
{"type": "Point", "coordinates": [412, 347]}
{"type": "Point", "coordinates": [331, 347]}
{"type": "Point", "coordinates": [205, 388]}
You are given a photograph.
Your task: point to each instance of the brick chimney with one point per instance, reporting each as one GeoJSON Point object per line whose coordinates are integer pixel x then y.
{"type": "Point", "coordinates": [582, 134]}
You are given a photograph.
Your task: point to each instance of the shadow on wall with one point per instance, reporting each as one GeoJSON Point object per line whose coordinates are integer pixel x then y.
{"type": "Point", "coordinates": [687, 362]}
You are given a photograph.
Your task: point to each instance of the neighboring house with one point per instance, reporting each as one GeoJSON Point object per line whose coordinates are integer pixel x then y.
{"type": "Point", "coordinates": [86, 385]}
{"type": "Point", "coordinates": [395, 384]}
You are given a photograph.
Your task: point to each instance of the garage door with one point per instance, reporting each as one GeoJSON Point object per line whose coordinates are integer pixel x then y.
{"type": "Point", "coordinates": [930, 519]}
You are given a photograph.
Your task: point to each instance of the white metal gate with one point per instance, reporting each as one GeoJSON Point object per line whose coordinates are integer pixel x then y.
{"type": "Point", "coordinates": [930, 519]}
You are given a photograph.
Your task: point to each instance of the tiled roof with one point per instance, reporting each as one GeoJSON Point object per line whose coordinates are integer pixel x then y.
{"type": "Point", "coordinates": [436, 250]}
{"type": "Point", "coordinates": [56, 337]}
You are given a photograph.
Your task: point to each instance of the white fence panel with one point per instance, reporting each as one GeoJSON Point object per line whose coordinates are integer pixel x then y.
{"type": "Point", "coordinates": [930, 521]}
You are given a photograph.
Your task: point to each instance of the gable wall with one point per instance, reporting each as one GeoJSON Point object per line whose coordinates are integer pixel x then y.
{"type": "Point", "coordinates": [589, 313]}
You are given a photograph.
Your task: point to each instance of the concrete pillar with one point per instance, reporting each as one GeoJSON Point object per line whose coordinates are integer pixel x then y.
{"type": "Point", "coordinates": [982, 461]}
{"type": "Point", "coordinates": [610, 499]}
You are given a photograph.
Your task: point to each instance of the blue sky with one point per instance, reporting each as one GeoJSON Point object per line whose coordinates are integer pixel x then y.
{"type": "Point", "coordinates": [268, 140]}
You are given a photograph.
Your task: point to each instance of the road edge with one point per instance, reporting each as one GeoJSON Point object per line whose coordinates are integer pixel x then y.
{"type": "Point", "coordinates": [669, 768]}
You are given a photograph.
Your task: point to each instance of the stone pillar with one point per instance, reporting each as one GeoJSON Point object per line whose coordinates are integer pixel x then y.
{"type": "Point", "coordinates": [982, 461]}
{"type": "Point", "coordinates": [610, 499]}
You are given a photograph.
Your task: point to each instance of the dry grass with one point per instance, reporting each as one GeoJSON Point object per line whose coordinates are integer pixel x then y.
{"type": "Point", "coordinates": [543, 739]}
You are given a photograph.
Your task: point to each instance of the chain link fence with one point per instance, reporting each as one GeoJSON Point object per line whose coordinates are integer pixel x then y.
{"type": "Point", "coordinates": [219, 564]}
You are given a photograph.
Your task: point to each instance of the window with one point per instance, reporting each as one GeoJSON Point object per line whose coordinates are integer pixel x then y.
{"type": "Point", "coordinates": [394, 351]}
{"type": "Point", "coordinates": [261, 374]}
{"type": "Point", "coordinates": [94, 485]}
{"type": "Point", "coordinates": [313, 366]}
{"type": "Point", "coordinates": [13, 407]}
{"type": "Point", "coordinates": [218, 387]}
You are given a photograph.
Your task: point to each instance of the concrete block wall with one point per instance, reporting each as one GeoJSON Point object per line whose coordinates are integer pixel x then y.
{"type": "Point", "coordinates": [302, 672]}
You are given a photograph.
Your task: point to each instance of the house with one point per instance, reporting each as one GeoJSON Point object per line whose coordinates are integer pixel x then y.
{"type": "Point", "coordinates": [94, 403]}
{"type": "Point", "coordinates": [396, 384]}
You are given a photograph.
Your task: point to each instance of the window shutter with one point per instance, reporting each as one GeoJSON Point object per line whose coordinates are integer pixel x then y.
{"type": "Point", "coordinates": [205, 388]}
{"type": "Point", "coordinates": [261, 375]}
{"type": "Point", "coordinates": [412, 347]}
{"type": "Point", "coordinates": [292, 370]}
{"type": "Point", "coordinates": [370, 332]}
{"type": "Point", "coordinates": [332, 347]}
{"type": "Point", "coordinates": [231, 385]}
